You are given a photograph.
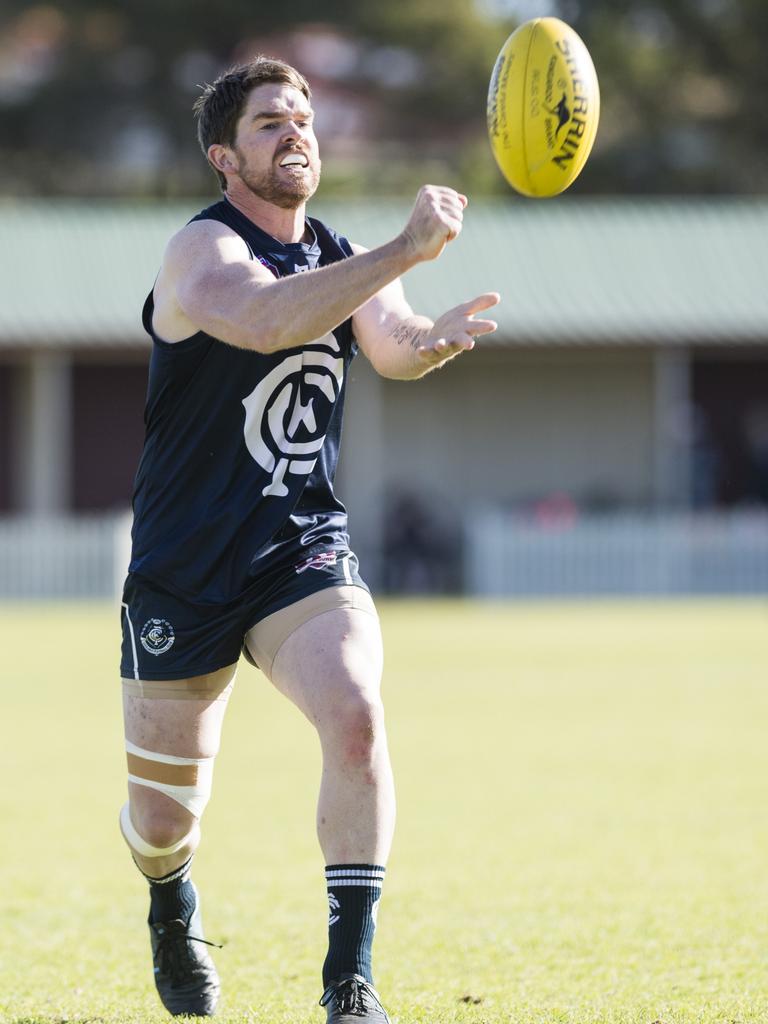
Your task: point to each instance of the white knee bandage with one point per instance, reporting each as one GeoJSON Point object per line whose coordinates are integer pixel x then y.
{"type": "Point", "coordinates": [140, 845]}
{"type": "Point", "coordinates": [187, 780]}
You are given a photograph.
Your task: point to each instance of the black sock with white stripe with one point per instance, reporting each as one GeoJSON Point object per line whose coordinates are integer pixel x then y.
{"type": "Point", "coordinates": [354, 891]}
{"type": "Point", "coordinates": [172, 897]}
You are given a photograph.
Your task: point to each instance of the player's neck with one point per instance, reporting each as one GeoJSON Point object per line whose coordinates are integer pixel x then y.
{"type": "Point", "coordinates": [284, 225]}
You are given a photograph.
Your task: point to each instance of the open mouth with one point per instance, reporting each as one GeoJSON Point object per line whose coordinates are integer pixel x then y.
{"type": "Point", "coordinates": [294, 160]}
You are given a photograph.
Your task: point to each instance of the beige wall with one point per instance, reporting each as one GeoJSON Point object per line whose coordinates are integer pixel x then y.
{"type": "Point", "coordinates": [501, 426]}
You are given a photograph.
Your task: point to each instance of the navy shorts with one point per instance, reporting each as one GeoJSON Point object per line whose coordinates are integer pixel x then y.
{"type": "Point", "coordinates": [166, 636]}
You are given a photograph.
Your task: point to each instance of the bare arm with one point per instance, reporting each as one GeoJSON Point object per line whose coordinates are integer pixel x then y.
{"type": "Point", "coordinates": [207, 281]}
{"type": "Point", "coordinates": [404, 346]}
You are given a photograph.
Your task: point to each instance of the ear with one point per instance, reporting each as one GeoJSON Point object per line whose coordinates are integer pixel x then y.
{"type": "Point", "coordinates": [223, 158]}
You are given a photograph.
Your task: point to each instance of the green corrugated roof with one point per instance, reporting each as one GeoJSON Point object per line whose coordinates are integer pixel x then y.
{"type": "Point", "coordinates": [602, 271]}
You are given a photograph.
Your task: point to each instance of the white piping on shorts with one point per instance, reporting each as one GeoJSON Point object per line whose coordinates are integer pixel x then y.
{"type": "Point", "coordinates": [345, 565]}
{"type": "Point", "coordinates": [133, 641]}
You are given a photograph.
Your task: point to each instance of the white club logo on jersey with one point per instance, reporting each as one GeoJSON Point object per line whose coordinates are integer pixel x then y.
{"type": "Point", "coordinates": [283, 404]}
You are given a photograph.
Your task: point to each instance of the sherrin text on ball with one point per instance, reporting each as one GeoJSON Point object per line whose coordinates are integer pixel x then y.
{"type": "Point", "coordinates": [543, 107]}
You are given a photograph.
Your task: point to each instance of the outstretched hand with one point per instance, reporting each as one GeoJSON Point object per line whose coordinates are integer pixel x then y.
{"type": "Point", "coordinates": [455, 331]}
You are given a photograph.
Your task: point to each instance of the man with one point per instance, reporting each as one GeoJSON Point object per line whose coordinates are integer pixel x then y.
{"type": "Point", "coordinates": [239, 541]}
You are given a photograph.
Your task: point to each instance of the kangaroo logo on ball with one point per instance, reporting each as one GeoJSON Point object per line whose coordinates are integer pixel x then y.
{"type": "Point", "coordinates": [562, 113]}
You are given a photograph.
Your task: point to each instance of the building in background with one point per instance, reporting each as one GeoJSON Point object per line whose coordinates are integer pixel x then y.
{"type": "Point", "coordinates": [628, 382]}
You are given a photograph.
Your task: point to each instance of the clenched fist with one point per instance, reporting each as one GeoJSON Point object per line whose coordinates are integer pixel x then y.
{"type": "Point", "coordinates": [435, 220]}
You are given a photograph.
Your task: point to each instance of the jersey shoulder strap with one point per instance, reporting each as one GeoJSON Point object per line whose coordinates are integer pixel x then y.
{"type": "Point", "coordinates": [334, 246]}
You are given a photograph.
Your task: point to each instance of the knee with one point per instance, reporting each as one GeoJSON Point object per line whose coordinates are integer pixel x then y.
{"type": "Point", "coordinates": [358, 728]}
{"type": "Point", "coordinates": [159, 820]}
{"type": "Point", "coordinates": [168, 794]}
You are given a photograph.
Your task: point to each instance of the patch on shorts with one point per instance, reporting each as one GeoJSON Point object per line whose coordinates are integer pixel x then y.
{"type": "Point", "coordinates": [316, 562]}
{"type": "Point", "coordinates": [157, 636]}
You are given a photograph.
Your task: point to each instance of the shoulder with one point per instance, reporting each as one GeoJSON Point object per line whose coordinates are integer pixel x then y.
{"type": "Point", "coordinates": [204, 240]}
{"type": "Point", "coordinates": [204, 268]}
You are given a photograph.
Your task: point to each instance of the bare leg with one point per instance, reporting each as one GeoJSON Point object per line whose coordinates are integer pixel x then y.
{"type": "Point", "coordinates": [171, 737]}
{"type": "Point", "coordinates": [331, 667]}
{"type": "Point", "coordinates": [183, 728]}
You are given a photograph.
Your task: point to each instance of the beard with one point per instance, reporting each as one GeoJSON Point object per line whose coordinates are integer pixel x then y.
{"type": "Point", "coordinates": [288, 191]}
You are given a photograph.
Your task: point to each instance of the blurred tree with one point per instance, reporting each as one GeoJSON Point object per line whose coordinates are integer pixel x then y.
{"type": "Point", "coordinates": [95, 98]}
{"type": "Point", "coordinates": [107, 109]}
{"type": "Point", "coordinates": [680, 80]}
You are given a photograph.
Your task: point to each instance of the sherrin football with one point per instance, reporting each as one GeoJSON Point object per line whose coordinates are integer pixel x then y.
{"type": "Point", "coordinates": [543, 107]}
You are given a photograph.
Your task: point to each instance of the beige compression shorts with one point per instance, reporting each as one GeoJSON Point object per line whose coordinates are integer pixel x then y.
{"type": "Point", "coordinates": [260, 646]}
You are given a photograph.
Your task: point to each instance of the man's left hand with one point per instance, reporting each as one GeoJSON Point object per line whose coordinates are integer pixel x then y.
{"type": "Point", "coordinates": [455, 331]}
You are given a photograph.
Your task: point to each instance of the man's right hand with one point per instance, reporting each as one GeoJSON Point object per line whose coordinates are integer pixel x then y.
{"type": "Point", "coordinates": [435, 220]}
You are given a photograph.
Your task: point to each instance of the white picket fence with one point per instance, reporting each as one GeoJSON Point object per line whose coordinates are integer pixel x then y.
{"type": "Point", "coordinates": [506, 555]}
{"type": "Point", "coordinates": [84, 556]}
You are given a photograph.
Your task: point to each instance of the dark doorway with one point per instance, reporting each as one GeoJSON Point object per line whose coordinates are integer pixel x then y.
{"type": "Point", "coordinates": [6, 440]}
{"type": "Point", "coordinates": [730, 444]}
{"type": "Point", "coordinates": [108, 433]}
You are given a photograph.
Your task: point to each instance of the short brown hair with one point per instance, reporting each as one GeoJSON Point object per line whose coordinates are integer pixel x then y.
{"type": "Point", "coordinates": [219, 106]}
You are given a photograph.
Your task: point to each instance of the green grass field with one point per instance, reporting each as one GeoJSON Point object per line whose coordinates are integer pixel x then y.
{"type": "Point", "coordinates": [582, 836]}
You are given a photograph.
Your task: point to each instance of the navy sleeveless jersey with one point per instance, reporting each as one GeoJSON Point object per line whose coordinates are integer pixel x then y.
{"type": "Point", "coordinates": [236, 476]}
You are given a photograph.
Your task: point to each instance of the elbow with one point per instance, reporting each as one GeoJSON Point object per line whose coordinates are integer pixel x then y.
{"type": "Point", "coordinates": [266, 336]}
{"type": "Point", "coordinates": [237, 328]}
{"type": "Point", "coordinates": [388, 368]}
{"type": "Point", "coordinates": [382, 368]}
{"type": "Point", "coordinates": [240, 336]}
{"type": "Point", "coordinates": [398, 372]}
{"type": "Point", "coordinates": [394, 365]}
{"type": "Point", "coordinates": [264, 342]}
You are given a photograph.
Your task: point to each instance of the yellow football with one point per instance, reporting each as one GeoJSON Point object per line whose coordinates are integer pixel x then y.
{"type": "Point", "coordinates": [543, 107]}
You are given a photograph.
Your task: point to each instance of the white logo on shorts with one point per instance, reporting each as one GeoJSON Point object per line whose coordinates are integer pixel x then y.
{"type": "Point", "coordinates": [157, 636]}
{"type": "Point", "coordinates": [316, 562]}
{"type": "Point", "coordinates": [275, 412]}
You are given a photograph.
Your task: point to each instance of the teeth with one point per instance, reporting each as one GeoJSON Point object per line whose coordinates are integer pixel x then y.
{"type": "Point", "coordinates": [294, 159]}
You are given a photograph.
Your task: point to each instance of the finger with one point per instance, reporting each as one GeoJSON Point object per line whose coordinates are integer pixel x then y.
{"type": "Point", "coordinates": [446, 190]}
{"type": "Point", "coordinates": [457, 197]}
{"type": "Point", "coordinates": [481, 326]}
{"type": "Point", "coordinates": [480, 302]}
{"type": "Point", "coordinates": [452, 228]}
{"type": "Point", "coordinates": [440, 193]}
{"type": "Point", "coordinates": [447, 195]}
{"type": "Point", "coordinates": [460, 343]}
{"type": "Point", "coordinates": [453, 207]}
{"type": "Point", "coordinates": [446, 200]}
{"type": "Point", "coordinates": [446, 347]}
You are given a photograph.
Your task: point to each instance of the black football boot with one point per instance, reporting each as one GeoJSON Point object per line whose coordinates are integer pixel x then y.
{"type": "Point", "coordinates": [351, 999]}
{"type": "Point", "coordinates": [185, 975]}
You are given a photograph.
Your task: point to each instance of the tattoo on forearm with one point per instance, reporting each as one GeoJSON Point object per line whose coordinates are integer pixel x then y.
{"type": "Point", "coordinates": [407, 333]}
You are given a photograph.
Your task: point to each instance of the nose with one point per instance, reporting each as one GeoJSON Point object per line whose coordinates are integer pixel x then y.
{"type": "Point", "coordinates": [292, 130]}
